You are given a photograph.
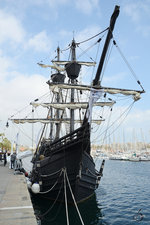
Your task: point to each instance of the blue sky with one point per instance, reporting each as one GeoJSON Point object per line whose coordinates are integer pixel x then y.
{"type": "Point", "coordinates": [31, 30]}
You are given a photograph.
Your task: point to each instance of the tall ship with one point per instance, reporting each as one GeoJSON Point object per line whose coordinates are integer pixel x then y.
{"type": "Point", "coordinates": [63, 166]}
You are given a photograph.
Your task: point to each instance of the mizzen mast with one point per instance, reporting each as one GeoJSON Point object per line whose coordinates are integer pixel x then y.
{"type": "Point", "coordinates": [57, 78]}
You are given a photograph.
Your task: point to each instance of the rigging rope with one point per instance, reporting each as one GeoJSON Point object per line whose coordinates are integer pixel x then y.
{"type": "Point", "coordinates": [23, 132]}
{"type": "Point", "coordinates": [102, 115]}
{"type": "Point", "coordinates": [18, 111]}
{"type": "Point", "coordinates": [92, 37]}
{"type": "Point", "coordinates": [105, 131]}
{"type": "Point", "coordinates": [106, 60]}
{"type": "Point", "coordinates": [91, 80]}
{"type": "Point", "coordinates": [78, 43]}
{"type": "Point", "coordinates": [125, 60]}
{"type": "Point", "coordinates": [85, 51]}
{"type": "Point", "coordinates": [108, 124]}
{"type": "Point", "coordinates": [67, 48]}
{"type": "Point", "coordinates": [127, 112]}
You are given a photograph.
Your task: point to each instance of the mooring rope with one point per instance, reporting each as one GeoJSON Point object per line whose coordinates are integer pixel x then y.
{"type": "Point", "coordinates": [66, 205]}
{"type": "Point", "coordinates": [45, 175]}
{"type": "Point", "coordinates": [65, 195]}
{"type": "Point", "coordinates": [45, 213]}
{"type": "Point", "coordinates": [44, 192]}
{"type": "Point", "coordinates": [65, 172]}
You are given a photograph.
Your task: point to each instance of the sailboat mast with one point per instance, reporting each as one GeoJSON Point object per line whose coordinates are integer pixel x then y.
{"type": "Point", "coordinates": [32, 128]}
{"type": "Point", "coordinates": [114, 16]}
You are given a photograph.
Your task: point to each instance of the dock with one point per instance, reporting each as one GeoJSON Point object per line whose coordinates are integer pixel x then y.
{"type": "Point", "coordinates": [15, 203]}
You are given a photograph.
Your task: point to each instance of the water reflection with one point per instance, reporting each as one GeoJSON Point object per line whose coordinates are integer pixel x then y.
{"type": "Point", "coordinates": [56, 215]}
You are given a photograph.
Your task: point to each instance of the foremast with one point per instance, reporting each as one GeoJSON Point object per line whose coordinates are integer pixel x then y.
{"type": "Point", "coordinates": [94, 96]}
{"type": "Point", "coordinates": [114, 16]}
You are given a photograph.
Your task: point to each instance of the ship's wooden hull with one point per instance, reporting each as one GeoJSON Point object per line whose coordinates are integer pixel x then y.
{"type": "Point", "coordinates": [72, 158]}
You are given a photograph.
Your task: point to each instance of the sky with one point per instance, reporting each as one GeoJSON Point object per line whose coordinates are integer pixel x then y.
{"type": "Point", "coordinates": [31, 30]}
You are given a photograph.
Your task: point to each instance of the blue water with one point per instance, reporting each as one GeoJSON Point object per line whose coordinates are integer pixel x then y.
{"type": "Point", "coordinates": [123, 191]}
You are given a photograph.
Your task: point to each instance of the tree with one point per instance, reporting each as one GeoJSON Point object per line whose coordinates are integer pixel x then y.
{"type": "Point", "coordinates": [4, 142]}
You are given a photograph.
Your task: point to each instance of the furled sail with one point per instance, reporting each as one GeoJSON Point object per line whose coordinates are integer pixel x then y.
{"type": "Point", "coordinates": [50, 120]}
{"type": "Point", "coordinates": [51, 66]}
{"type": "Point", "coordinates": [73, 105]}
{"type": "Point", "coordinates": [134, 93]}
{"type": "Point", "coordinates": [79, 62]}
{"type": "Point", "coordinates": [63, 63]}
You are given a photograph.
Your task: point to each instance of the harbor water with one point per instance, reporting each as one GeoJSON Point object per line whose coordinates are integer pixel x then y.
{"type": "Point", "coordinates": [123, 198]}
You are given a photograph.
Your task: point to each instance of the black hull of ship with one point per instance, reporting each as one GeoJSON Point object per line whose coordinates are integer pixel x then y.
{"type": "Point", "coordinates": [72, 154]}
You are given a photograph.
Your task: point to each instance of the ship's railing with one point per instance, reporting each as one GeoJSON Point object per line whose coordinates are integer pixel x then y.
{"type": "Point", "coordinates": [76, 136]}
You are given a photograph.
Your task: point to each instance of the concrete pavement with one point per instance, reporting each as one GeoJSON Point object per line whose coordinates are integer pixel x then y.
{"type": "Point", "coordinates": [15, 204]}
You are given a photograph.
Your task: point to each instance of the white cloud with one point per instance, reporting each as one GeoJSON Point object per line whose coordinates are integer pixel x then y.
{"type": "Point", "coordinates": [87, 33]}
{"type": "Point", "coordinates": [28, 3]}
{"type": "Point", "coordinates": [144, 30]}
{"type": "Point", "coordinates": [39, 42]}
{"type": "Point", "coordinates": [132, 10]}
{"type": "Point", "coordinates": [138, 119]}
{"type": "Point", "coordinates": [80, 36]}
{"type": "Point", "coordinates": [16, 95]}
{"type": "Point", "coordinates": [136, 10]}
{"type": "Point", "coordinates": [54, 3]}
{"type": "Point", "coordinates": [20, 91]}
{"type": "Point", "coordinates": [113, 79]}
{"type": "Point", "coordinates": [11, 28]}
{"type": "Point", "coordinates": [86, 6]}
{"type": "Point", "coordinates": [5, 64]}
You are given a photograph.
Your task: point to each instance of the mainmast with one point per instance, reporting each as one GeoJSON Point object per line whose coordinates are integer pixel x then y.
{"type": "Point", "coordinates": [73, 69]}
{"type": "Point", "coordinates": [57, 100]}
{"type": "Point", "coordinates": [114, 16]}
{"type": "Point", "coordinates": [73, 57]}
